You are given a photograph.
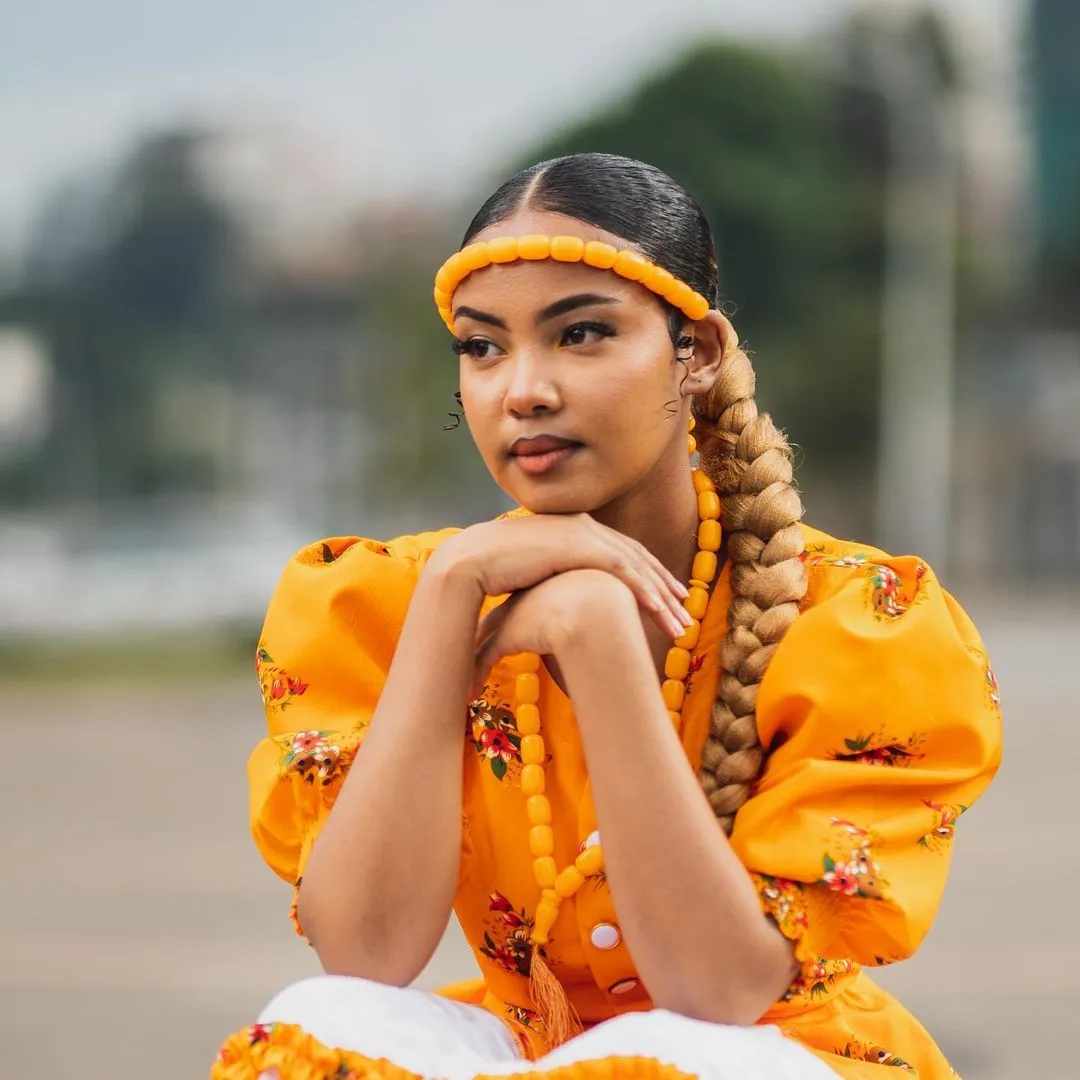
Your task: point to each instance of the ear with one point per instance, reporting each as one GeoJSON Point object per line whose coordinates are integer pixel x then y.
{"type": "Point", "coordinates": [714, 337]}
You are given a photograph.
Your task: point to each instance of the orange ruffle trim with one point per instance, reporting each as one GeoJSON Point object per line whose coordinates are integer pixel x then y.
{"type": "Point", "coordinates": [296, 1055]}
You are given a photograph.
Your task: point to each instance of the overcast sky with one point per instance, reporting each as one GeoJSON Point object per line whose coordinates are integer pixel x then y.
{"type": "Point", "coordinates": [469, 81]}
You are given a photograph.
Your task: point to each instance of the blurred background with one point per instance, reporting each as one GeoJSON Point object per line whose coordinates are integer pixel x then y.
{"type": "Point", "coordinates": [218, 229]}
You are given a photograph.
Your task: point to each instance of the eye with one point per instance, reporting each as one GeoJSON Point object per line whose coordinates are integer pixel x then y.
{"type": "Point", "coordinates": [586, 333]}
{"type": "Point", "coordinates": [476, 348]}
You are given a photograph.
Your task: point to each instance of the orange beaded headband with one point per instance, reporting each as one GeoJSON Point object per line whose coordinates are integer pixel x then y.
{"type": "Point", "coordinates": [568, 249]}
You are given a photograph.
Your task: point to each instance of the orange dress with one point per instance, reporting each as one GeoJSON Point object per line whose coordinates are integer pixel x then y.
{"type": "Point", "coordinates": [879, 714]}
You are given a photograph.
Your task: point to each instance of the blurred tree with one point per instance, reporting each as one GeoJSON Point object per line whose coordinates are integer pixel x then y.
{"type": "Point", "coordinates": [115, 276]}
{"type": "Point", "coordinates": [787, 170]}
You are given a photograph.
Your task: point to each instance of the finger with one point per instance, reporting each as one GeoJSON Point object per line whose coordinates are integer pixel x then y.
{"type": "Point", "coordinates": [491, 622]}
{"type": "Point", "coordinates": [641, 553]}
{"type": "Point", "coordinates": [651, 590]}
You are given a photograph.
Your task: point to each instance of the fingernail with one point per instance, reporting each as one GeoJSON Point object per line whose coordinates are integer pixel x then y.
{"type": "Point", "coordinates": [683, 592]}
{"type": "Point", "coordinates": [686, 618]}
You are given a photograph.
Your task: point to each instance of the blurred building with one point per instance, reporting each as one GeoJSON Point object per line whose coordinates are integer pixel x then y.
{"type": "Point", "coordinates": [1054, 52]}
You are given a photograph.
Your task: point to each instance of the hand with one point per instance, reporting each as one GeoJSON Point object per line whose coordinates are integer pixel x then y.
{"type": "Point", "coordinates": [518, 553]}
{"type": "Point", "coordinates": [545, 618]}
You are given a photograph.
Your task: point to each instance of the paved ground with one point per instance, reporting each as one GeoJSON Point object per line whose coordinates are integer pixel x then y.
{"type": "Point", "coordinates": [139, 926]}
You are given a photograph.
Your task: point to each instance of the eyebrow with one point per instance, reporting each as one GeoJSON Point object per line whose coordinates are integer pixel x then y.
{"type": "Point", "coordinates": [552, 311]}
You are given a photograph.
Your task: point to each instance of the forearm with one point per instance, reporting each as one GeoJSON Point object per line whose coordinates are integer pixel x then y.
{"type": "Point", "coordinates": [380, 882]}
{"type": "Point", "coordinates": [687, 908]}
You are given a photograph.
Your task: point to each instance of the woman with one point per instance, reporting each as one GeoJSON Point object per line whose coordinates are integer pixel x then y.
{"type": "Point", "coordinates": [773, 731]}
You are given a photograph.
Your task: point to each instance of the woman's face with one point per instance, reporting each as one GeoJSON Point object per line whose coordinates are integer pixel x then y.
{"type": "Point", "coordinates": [569, 378]}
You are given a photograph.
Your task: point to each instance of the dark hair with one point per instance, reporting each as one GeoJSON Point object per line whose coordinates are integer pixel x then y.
{"type": "Point", "coordinates": [746, 457]}
{"type": "Point", "coordinates": [628, 198]}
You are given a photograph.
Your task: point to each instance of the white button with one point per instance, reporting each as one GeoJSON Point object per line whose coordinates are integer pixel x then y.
{"type": "Point", "coordinates": [605, 936]}
{"type": "Point", "coordinates": [591, 840]}
{"type": "Point", "coordinates": [623, 986]}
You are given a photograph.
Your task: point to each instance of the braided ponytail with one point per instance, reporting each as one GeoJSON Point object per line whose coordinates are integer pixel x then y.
{"type": "Point", "coordinates": [750, 462]}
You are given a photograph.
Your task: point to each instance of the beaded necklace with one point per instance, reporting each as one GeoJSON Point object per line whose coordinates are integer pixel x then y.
{"type": "Point", "coordinates": [555, 885]}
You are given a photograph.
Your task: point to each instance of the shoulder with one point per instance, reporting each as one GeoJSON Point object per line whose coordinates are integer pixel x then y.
{"type": "Point", "coordinates": [350, 562]}
{"type": "Point", "coordinates": [871, 620]}
{"type": "Point", "coordinates": [349, 583]}
{"type": "Point", "coordinates": [889, 584]}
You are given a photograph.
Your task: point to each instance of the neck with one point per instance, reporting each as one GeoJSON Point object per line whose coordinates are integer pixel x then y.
{"type": "Point", "coordinates": [660, 512]}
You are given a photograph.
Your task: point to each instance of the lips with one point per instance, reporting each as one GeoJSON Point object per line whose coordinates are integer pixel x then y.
{"type": "Point", "coordinates": [541, 444]}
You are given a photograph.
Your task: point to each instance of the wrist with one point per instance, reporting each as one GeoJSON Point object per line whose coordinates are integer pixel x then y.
{"type": "Point", "coordinates": [452, 580]}
{"type": "Point", "coordinates": [605, 617]}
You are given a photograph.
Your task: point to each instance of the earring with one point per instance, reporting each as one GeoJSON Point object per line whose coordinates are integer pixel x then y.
{"type": "Point", "coordinates": [691, 442]}
{"type": "Point", "coordinates": [455, 416]}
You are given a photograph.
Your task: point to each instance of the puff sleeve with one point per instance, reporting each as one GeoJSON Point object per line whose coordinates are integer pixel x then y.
{"type": "Point", "coordinates": [879, 714]}
{"type": "Point", "coordinates": [327, 643]}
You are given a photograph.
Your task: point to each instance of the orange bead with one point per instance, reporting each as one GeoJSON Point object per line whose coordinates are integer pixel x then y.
{"type": "Point", "coordinates": [527, 689]}
{"type": "Point", "coordinates": [702, 481]}
{"type": "Point", "coordinates": [691, 444]}
{"type": "Point", "coordinates": [692, 424]}
{"type": "Point", "coordinates": [658, 280]}
{"type": "Point", "coordinates": [675, 718]}
{"type": "Point", "coordinates": [600, 255]}
{"type": "Point", "coordinates": [538, 807]}
{"type": "Point", "coordinates": [532, 750]}
{"type": "Point", "coordinates": [567, 248]}
{"type": "Point", "coordinates": [474, 257]}
{"type": "Point", "coordinates": [677, 663]}
{"type": "Point", "coordinates": [548, 895]}
{"type": "Point", "coordinates": [523, 663]}
{"type": "Point", "coordinates": [450, 273]}
{"type": "Point", "coordinates": [674, 693]}
{"type": "Point", "coordinates": [541, 840]}
{"type": "Point", "coordinates": [708, 504]}
{"type": "Point", "coordinates": [533, 247]}
{"type": "Point", "coordinates": [569, 881]}
{"type": "Point", "coordinates": [532, 780]}
{"type": "Point", "coordinates": [528, 719]}
{"type": "Point", "coordinates": [697, 602]}
{"type": "Point", "coordinates": [697, 308]}
{"type": "Point", "coordinates": [631, 265]}
{"type": "Point", "coordinates": [704, 565]}
{"type": "Point", "coordinates": [546, 914]}
{"type": "Point", "coordinates": [590, 861]}
{"type": "Point", "coordinates": [545, 871]}
{"type": "Point", "coordinates": [680, 296]}
{"type": "Point", "coordinates": [690, 638]}
{"type": "Point", "coordinates": [503, 250]}
{"type": "Point", "coordinates": [709, 535]}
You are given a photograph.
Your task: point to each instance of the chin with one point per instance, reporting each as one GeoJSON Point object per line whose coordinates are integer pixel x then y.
{"type": "Point", "coordinates": [545, 497]}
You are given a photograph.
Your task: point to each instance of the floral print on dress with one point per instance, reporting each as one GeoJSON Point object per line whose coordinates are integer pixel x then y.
{"type": "Point", "coordinates": [884, 585]}
{"type": "Point", "coordinates": [318, 757]}
{"type": "Point", "coordinates": [696, 663]}
{"type": "Point", "coordinates": [992, 691]}
{"type": "Point", "coordinates": [940, 836]}
{"type": "Point", "coordinates": [506, 941]}
{"type": "Point", "coordinates": [279, 688]}
{"type": "Point", "coordinates": [783, 901]}
{"type": "Point", "coordinates": [817, 979]}
{"type": "Point", "coordinates": [857, 1050]}
{"type": "Point", "coordinates": [493, 732]}
{"type": "Point", "coordinates": [849, 865]}
{"type": "Point", "coordinates": [880, 749]}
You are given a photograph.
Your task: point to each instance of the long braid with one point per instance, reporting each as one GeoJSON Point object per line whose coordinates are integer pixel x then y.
{"type": "Point", "coordinates": [750, 462]}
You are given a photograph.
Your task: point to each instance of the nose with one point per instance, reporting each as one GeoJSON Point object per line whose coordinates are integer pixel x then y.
{"type": "Point", "coordinates": [530, 389]}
